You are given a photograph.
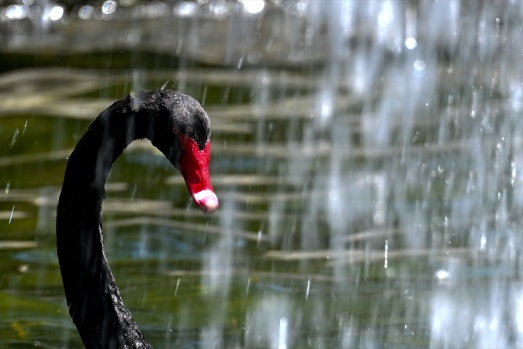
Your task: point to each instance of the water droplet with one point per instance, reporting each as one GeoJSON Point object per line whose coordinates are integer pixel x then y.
{"type": "Point", "coordinates": [109, 7]}
{"type": "Point", "coordinates": [419, 65]}
{"type": "Point", "coordinates": [11, 216]}
{"type": "Point", "coordinates": [386, 263]}
{"type": "Point", "coordinates": [253, 6]}
{"type": "Point", "coordinates": [13, 140]}
{"type": "Point", "coordinates": [442, 275]}
{"type": "Point", "coordinates": [411, 43]}
{"type": "Point", "coordinates": [56, 13]}
{"type": "Point", "coordinates": [16, 12]}
{"type": "Point", "coordinates": [282, 339]}
{"type": "Point", "coordinates": [85, 12]}
{"type": "Point", "coordinates": [185, 9]}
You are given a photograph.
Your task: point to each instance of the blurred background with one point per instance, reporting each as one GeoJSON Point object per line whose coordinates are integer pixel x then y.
{"type": "Point", "coordinates": [367, 156]}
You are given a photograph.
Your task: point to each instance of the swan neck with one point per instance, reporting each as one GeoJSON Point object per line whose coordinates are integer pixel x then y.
{"type": "Point", "coordinates": [91, 292]}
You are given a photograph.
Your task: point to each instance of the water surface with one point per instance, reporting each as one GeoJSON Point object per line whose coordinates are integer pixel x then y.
{"type": "Point", "coordinates": [370, 195]}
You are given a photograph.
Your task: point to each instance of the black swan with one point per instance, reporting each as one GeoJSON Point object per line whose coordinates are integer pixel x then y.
{"type": "Point", "coordinates": [179, 127]}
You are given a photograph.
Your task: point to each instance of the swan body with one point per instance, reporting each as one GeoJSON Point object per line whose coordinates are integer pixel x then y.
{"type": "Point", "coordinates": [179, 127]}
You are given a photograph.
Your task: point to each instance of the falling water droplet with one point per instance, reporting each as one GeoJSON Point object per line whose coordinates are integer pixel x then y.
{"type": "Point", "coordinates": [56, 13]}
{"type": "Point", "coordinates": [108, 7]}
{"type": "Point", "coordinates": [411, 43]}
{"type": "Point", "coordinates": [240, 63]}
{"type": "Point", "coordinates": [419, 68]}
{"type": "Point", "coordinates": [11, 215]}
{"type": "Point", "coordinates": [442, 275]}
{"type": "Point", "coordinates": [13, 140]}
{"type": "Point", "coordinates": [16, 12]}
{"type": "Point", "coordinates": [85, 12]}
{"type": "Point", "coordinates": [483, 243]}
{"type": "Point", "coordinates": [282, 339]}
{"type": "Point", "coordinates": [253, 6]}
{"type": "Point", "coordinates": [177, 285]}
{"type": "Point", "coordinates": [386, 254]}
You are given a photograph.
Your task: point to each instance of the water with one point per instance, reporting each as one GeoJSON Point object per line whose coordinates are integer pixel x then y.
{"type": "Point", "coordinates": [366, 156]}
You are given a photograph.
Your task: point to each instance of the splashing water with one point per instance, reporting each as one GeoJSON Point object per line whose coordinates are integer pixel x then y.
{"type": "Point", "coordinates": [367, 157]}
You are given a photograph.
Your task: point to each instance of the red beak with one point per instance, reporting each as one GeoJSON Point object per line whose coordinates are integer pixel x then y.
{"type": "Point", "coordinates": [194, 166]}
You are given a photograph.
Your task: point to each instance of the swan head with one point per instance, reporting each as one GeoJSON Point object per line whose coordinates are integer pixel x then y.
{"type": "Point", "coordinates": [188, 147]}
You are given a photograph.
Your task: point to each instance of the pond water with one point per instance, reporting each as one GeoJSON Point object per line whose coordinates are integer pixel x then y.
{"type": "Point", "coordinates": [368, 161]}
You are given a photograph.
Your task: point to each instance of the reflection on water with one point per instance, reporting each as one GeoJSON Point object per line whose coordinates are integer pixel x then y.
{"type": "Point", "coordinates": [369, 190]}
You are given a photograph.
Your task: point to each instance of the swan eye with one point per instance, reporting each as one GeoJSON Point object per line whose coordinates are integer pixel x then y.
{"type": "Point", "coordinates": [176, 131]}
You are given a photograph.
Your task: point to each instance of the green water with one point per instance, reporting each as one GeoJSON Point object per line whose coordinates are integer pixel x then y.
{"type": "Point", "coordinates": [236, 279]}
{"type": "Point", "coordinates": [368, 158]}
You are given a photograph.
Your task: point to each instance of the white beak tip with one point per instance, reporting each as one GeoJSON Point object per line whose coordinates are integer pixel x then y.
{"type": "Point", "coordinates": [207, 201]}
